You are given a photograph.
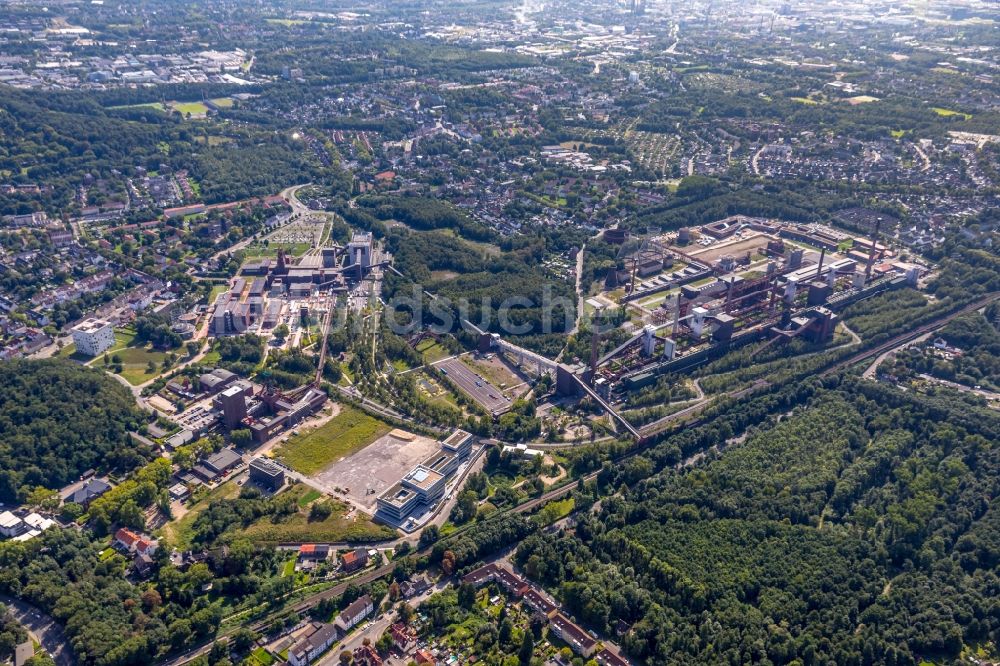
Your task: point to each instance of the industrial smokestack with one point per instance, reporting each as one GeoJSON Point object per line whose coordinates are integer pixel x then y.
{"type": "Point", "coordinates": [594, 340]}
{"type": "Point", "coordinates": [871, 255]}
{"type": "Point", "coordinates": [819, 270]}
{"type": "Point", "coordinates": [677, 314]}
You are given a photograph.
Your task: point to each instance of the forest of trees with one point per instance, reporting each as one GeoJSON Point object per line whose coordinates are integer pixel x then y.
{"type": "Point", "coordinates": [859, 529]}
{"type": "Point", "coordinates": [57, 420]}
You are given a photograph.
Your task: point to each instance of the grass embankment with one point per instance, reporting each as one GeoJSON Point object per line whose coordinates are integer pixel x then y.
{"type": "Point", "coordinates": [298, 527]}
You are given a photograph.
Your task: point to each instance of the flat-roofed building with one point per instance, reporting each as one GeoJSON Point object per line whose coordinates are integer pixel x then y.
{"type": "Point", "coordinates": [223, 461]}
{"type": "Point", "coordinates": [234, 406]}
{"type": "Point", "coordinates": [459, 443]}
{"type": "Point", "coordinates": [265, 473]}
{"type": "Point", "coordinates": [443, 462]}
{"type": "Point", "coordinates": [420, 488]}
{"type": "Point", "coordinates": [93, 336]}
{"type": "Point", "coordinates": [216, 380]}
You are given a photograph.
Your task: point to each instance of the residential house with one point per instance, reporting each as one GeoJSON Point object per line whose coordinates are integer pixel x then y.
{"type": "Point", "coordinates": [316, 552]}
{"type": "Point", "coordinates": [11, 525]}
{"type": "Point", "coordinates": [403, 637]}
{"type": "Point", "coordinates": [578, 640]}
{"type": "Point", "coordinates": [90, 491]}
{"type": "Point", "coordinates": [136, 544]}
{"type": "Point", "coordinates": [354, 613]}
{"type": "Point", "coordinates": [417, 584]}
{"type": "Point", "coordinates": [315, 641]}
{"type": "Point", "coordinates": [608, 658]}
{"type": "Point", "coordinates": [354, 559]}
{"type": "Point", "coordinates": [422, 656]}
{"type": "Point", "coordinates": [366, 656]}
{"type": "Point", "coordinates": [493, 572]}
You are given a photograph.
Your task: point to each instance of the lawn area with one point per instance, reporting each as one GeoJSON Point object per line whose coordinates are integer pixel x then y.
{"type": "Point", "coordinates": [179, 532]}
{"type": "Point", "coordinates": [135, 360]}
{"type": "Point", "coordinates": [216, 290]}
{"type": "Point", "coordinates": [432, 350]}
{"type": "Point", "coordinates": [69, 351]}
{"type": "Point", "coordinates": [194, 108]}
{"type": "Point", "coordinates": [223, 102]}
{"type": "Point", "coordinates": [804, 100]}
{"type": "Point", "coordinates": [554, 511]}
{"type": "Point", "coordinates": [298, 527]}
{"type": "Point", "coordinates": [947, 113]}
{"type": "Point", "coordinates": [259, 657]}
{"type": "Point", "coordinates": [309, 496]}
{"type": "Point", "coordinates": [158, 106]}
{"type": "Point", "coordinates": [347, 432]}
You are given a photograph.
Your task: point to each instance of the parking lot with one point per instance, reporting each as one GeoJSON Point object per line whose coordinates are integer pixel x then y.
{"type": "Point", "coordinates": [475, 386]}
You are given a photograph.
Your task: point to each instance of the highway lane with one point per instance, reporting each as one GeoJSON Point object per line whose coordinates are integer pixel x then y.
{"type": "Point", "coordinates": [475, 386]}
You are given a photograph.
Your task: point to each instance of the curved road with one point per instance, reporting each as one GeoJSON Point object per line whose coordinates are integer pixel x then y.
{"type": "Point", "coordinates": [43, 628]}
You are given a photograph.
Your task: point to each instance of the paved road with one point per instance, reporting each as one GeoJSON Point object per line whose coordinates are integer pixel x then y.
{"type": "Point", "coordinates": [904, 338]}
{"type": "Point", "coordinates": [476, 387]}
{"type": "Point", "coordinates": [982, 393]}
{"type": "Point", "coordinates": [43, 628]}
{"type": "Point", "coordinates": [374, 629]}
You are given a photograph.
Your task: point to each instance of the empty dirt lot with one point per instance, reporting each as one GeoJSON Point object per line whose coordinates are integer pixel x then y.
{"type": "Point", "coordinates": [737, 248]}
{"type": "Point", "coordinates": [374, 468]}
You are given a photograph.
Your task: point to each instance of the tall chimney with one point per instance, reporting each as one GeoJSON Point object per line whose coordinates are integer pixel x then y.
{"type": "Point", "coordinates": [677, 313]}
{"type": "Point", "coordinates": [594, 340]}
{"type": "Point", "coordinates": [871, 255]}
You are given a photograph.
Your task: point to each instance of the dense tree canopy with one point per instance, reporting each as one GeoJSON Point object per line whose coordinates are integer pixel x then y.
{"type": "Point", "coordinates": [58, 419]}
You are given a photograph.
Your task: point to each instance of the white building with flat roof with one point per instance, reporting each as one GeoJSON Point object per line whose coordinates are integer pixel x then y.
{"type": "Point", "coordinates": [93, 336]}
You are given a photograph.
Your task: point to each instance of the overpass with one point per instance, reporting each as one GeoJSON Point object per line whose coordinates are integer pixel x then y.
{"type": "Point", "coordinates": [604, 405]}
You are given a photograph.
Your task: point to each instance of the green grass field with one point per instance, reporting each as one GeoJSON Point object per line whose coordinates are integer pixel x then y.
{"type": "Point", "coordinates": [947, 113]}
{"type": "Point", "coordinates": [298, 527]}
{"type": "Point", "coordinates": [216, 290]}
{"type": "Point", "coordinates": [347, 432]}
{"type": "Point", "coordinates": [309, 496]}
{"type": "Point", "coordinates": [194, 108]}
{"type": "Point", "coordinates": [432, 350]}
{"type": "Point", "coordinates": [134, 360]}
{"type": "Point", "coordinates": [554, 511]}
{"type": "Point", "coordinates": [158, 106]}
{"type": "Point", "coordinates": [223, 102]}
{"type": "Point", "coordinates": [260, 657]}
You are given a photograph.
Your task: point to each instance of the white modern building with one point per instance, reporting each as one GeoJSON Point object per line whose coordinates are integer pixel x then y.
{"type": "Point", "coordinates": [93, 336]}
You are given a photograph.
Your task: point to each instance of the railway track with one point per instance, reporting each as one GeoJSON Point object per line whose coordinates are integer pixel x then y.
{"type": "Point", "coordinates": [909, 335]}
{"type": "Point", "coordinates": [559, 493]}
